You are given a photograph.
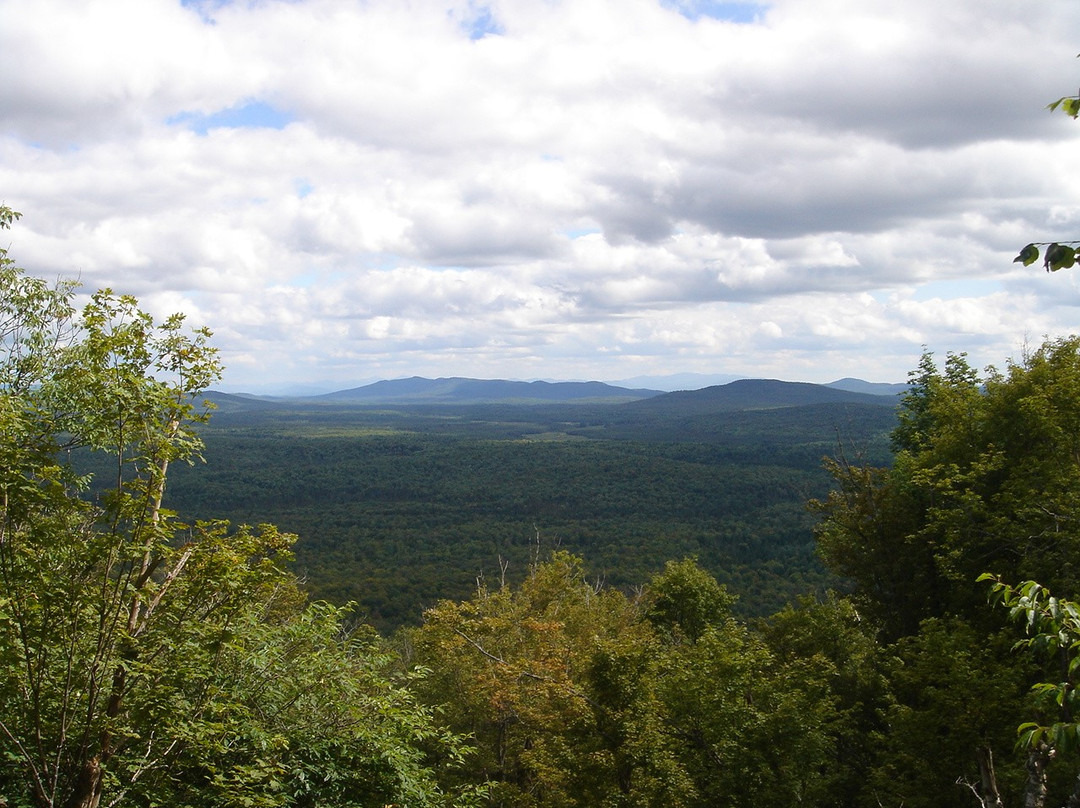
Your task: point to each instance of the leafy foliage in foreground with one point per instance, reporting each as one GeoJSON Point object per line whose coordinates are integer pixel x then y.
{"type": "Point", "coordinates": [1058, 255]}
{"type": "Point", "coordinates": [986, 477]}
{"type": "Point", "coordinates": [580, 696]}
{"type": "Point", "coordinates": [147, 661]}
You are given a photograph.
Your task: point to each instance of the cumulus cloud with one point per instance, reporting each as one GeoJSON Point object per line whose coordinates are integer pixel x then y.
{"type": "Point", "coordinates": [805, 189]}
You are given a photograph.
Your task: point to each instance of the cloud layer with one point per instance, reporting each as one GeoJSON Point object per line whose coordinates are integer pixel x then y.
{"type": "Point", "coordinates": [345, 191]}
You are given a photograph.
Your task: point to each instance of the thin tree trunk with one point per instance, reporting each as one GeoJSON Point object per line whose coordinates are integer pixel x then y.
{"type": "Point", "coordinates": [1035, 788]}
{"type": "Point", "coordinates": [989, 794]}
{"type": "Point", "coordinates": [90, 782]}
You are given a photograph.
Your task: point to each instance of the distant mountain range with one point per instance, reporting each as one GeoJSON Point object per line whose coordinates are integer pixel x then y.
{"type": "Point", "coordinates": [417, 390]}
{"type": "Point", "coordinates": [741, 394]}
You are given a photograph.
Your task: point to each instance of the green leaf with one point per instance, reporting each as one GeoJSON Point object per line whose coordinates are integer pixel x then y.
{"type": "Point", "coordinates": [1028, 256]}
{"type": "Point", "coordinates": [1031, 734]}
{"type": "Point", "coordinates": [1059, 256]}
{"type": "Point", "coordinates": [1069, 104]}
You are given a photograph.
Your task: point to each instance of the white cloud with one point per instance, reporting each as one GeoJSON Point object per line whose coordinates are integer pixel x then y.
{"type": "Point", "coordinates": [559, 189]}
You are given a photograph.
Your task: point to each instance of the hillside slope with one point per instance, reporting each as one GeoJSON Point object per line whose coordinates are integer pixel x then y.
{"type": "Point", "coordinates": [753, 394]}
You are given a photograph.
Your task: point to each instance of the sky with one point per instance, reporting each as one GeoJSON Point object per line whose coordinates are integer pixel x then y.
{"type": "Point", "coordinates": [353, 190]}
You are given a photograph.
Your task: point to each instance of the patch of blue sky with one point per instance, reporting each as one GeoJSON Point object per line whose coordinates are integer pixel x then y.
{"type": "Point", "coordinates": [252, 115]}
{"type": "Point", "coordinates": [45, 146]}
{"type": "Point", "coordinates": [305, 280]}
{"type": "Point", "coordinates": [302, 187]}
{"type": "Point", "coordinates": [579, 232]}
{"type": "Point", "coordinates": [205, 8]}
{"type": "Point", "coordinates": [951, 290]}
{"type": "Point", "coordinates": [739, 12]}
{"type": "Point", "coordinates": [481, 23]}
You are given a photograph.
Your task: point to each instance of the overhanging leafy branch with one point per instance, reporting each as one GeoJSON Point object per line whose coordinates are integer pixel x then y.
{"type": "Point", "coordinates": [1059, 255]}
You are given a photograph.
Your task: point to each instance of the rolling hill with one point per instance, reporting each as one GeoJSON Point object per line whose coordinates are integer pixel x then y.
{"type": "Point", "coordinates": [754, 394]}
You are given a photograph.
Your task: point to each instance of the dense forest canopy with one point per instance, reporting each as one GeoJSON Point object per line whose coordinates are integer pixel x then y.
{"type": "Point", "coordinates": [396, 509]}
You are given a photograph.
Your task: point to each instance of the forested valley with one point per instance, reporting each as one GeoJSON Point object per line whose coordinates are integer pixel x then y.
{"type": "Point", "coordinates": [397, 509]}
{"type": "Point", "coordinates": [586, 606]}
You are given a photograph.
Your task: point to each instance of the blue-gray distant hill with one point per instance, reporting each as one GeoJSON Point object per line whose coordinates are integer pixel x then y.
{"type": "Point", "coordinates": [875, 388]}
{"type": "Point", "coordinates": [226, 403]}
{"type": "Point", "coordinates": [756, 394]}
{"type": "Point", "coordinates": [418, 390]}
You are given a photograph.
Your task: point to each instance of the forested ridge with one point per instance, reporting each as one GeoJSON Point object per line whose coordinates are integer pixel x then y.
{"type": "Point", "coordinates": [152, 653]}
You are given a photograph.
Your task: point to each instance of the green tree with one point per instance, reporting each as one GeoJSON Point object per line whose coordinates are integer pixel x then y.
{"type": "Point", "coordinates": [970, 453]}
{"type": "Point", "coordinates": [1051, 731]}
{"type": "Point", "coordinates": [141, 658]}
{"type": "Point", "coordinates": [304, 716]}
{"type": "Point", "coordinates": [684, 600]}
{"type": "Point", "coordinates": [580, 696]}
{"type": "Point", "coordinates": [952, 701]}
{"type": "Point", "coordinates": [986, 476]}
{"type": "Point", "coordinates": [556, 681]}
{"type": "Point", "coordinates": [753, 729]}
{"type": "Point", "coordinates": [842, 641]}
